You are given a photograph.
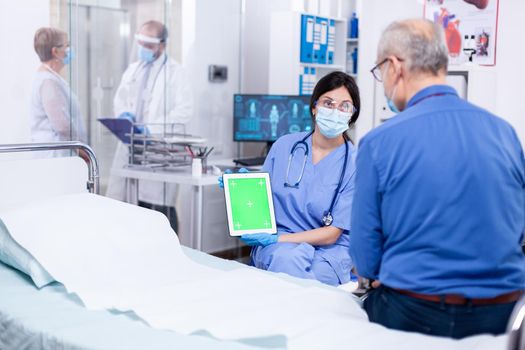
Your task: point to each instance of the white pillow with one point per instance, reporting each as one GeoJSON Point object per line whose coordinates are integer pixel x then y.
{"type": "Point", "coordinates": [13, 254]}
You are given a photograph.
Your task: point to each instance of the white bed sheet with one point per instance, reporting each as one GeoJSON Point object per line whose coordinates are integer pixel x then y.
{"type": "Point", "coordinates": [51, 319]}
{"type": "Point", "coordinates": [128, 258]}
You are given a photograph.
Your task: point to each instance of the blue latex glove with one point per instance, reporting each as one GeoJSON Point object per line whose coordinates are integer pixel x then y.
{"type": "Point", "coordinates": [262, 239]}
{"type": "Point", "coordinates": [138, 129]}
{"type": "Point", "coordinates": [127, 115]}
{"type": "Point", "coordinates": [229, 171]}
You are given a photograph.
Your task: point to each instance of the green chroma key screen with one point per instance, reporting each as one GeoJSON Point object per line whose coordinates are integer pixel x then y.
{"type": "Point", "coordinates": [250, 202]}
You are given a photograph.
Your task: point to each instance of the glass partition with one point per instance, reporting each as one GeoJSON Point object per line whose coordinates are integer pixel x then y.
{"type": "Point", "coordinates": [101, 34]}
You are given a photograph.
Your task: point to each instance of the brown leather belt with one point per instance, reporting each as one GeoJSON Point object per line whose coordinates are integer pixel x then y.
{"type": "Point", "coordinates": [455, 299]}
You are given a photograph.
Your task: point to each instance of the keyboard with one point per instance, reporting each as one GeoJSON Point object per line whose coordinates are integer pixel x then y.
{"type": "Point", "coordinates": [250, 161]}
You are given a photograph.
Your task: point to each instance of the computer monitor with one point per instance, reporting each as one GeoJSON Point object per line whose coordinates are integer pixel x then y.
{"type": "Point", "coordinates": [265, 118]}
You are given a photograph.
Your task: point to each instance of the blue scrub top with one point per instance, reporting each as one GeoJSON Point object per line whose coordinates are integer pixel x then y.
{"type": "Point", "coordinates": [302, 209]}
{"type": "Point", "coordinates": [439, 202]}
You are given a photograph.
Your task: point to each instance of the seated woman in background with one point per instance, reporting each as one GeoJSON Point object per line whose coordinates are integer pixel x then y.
{"type": "Point", "coordinates": [312, 181]}
{"type": "Point", "coordinates": [55, 114]}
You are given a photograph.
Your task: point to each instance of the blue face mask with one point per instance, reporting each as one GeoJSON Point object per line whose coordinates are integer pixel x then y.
{"type": "Point", "coordinates": [146, 55]}
{"type": "Point", "coordinates": [331, 122]}
{"type": "Point", "coordinates": [70, 54]}
{"type": "Point", "coordinates": [390, 102]}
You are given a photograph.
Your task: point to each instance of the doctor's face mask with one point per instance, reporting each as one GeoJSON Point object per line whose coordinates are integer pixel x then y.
{"type": "Point", "coordinates": [148, 47]}
{"type": "Point", "coordinates": [145, 54]}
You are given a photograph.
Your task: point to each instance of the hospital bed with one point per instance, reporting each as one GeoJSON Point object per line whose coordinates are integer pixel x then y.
{"type": "Point", "coordinates": [52, 318]}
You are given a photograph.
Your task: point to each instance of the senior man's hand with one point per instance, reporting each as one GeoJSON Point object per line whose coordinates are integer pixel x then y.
{"type": "Point", "coordinates": [376, 284]}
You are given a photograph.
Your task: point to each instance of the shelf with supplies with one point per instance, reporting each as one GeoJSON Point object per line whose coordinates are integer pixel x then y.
{"type": "Point", "coordinates": [303, 48]}
{"type": "Point", "coordinates": [323, 66]}
{"type": "Point", "coordinates": [352, 45]}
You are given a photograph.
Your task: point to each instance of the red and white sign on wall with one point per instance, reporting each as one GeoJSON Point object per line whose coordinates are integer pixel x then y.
{"type": "Point", "coordinates": [470, 28]}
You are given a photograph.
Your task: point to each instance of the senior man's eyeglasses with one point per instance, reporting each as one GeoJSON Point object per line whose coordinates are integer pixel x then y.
{"type": "Point", "coordinates": [376, 71]}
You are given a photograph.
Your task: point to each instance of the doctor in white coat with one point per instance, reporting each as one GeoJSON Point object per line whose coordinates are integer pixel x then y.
{"type": "Point", "coordinates": [154, 89]}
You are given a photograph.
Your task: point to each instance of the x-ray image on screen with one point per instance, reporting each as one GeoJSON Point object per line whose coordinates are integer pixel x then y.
{"type": "Point", "coordinates": [268, 117]}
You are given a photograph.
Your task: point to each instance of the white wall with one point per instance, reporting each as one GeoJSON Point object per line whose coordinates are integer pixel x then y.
{"type": "Point", "coordinates": [256, 42]}
{"type": "Point", "coordinates": [211, 35]}
{"type": "Point", "coordinates": [215, 41]}
{"type": "Point", "coordinates": [374, 16]}
{"type": "Point", "coordinates": [510, 68]}
{"type": "Point", "coordinates": [19, 21]}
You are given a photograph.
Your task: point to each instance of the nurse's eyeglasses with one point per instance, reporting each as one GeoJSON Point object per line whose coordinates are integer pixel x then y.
{"type": "Point", "coordinates": [345, 106]}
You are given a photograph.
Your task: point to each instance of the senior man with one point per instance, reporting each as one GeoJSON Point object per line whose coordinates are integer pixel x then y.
{"type": "Point", "coordinates": [438, 213]}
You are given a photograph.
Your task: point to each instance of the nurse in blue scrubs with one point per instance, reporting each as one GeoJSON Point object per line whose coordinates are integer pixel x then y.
{"type": "Point", "coordinates": [312, 177]}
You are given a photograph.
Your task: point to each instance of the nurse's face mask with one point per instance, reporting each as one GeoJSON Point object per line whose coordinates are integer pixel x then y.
{"type": "Point", "coordinates": [332, 118]}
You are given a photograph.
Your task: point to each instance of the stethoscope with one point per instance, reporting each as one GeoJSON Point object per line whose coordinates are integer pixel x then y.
{"type": "Point", "coordinates": [143, 64]}
{"type": "Point", "coordinates": [327, 216]}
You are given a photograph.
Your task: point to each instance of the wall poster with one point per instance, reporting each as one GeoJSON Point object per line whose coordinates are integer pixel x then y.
{"type": "Point", "coordinates": [470, 28]}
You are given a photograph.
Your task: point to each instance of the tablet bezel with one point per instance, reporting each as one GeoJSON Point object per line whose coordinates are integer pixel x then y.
{"type": "Point", "coordinates": [259, 175]}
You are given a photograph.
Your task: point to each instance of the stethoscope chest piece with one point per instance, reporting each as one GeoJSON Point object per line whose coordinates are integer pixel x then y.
{"type": "Point", "coordinates": [328, 219]}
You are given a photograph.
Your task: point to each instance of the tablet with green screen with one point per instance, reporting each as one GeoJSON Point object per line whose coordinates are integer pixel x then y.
{"type": "Point", "coordinates": [249, 203]}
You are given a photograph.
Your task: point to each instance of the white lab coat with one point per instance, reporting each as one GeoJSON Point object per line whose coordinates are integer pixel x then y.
{"type": "Point", "coordinates": [168, 98]}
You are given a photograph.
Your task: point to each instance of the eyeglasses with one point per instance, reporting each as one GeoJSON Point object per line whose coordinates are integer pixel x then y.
{"type": "Point", "coordinates": [376, 71]}
{"type": "Point", "coordinates": [345, 106]}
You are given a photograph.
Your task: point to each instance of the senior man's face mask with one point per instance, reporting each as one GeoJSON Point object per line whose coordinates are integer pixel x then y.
{"type": "Point", "coordinates": [147, 47]}
{"type": "Point", "coordinates": [390, 99]}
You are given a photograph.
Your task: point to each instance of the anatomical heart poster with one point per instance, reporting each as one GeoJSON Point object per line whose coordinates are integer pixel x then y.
{"type": "Point", "coordinates": [470, 28]}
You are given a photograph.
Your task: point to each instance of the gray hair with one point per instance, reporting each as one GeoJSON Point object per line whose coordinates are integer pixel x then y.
{"type": "Point", "coordinates": [46, 39]}
{"type": "Point", "coordinates": [419, 42]}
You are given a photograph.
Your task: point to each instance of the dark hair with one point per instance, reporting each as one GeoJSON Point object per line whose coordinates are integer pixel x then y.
{"type": "Point", "coordinates": [334, 81]}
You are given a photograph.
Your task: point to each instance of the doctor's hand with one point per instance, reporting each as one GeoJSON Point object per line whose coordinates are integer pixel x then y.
{"type": "Point", "coordinates": [229, 171]}
{"type": "Point", "coordinates": [139, 129]}
{"type": "Point", "coordinates": [262, 239]}
{"type": "Point", "coordinates": [127, 115]}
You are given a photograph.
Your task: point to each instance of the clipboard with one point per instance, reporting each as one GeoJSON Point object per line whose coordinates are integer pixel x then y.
{"type": "Point", "coordinates": [119, 127]}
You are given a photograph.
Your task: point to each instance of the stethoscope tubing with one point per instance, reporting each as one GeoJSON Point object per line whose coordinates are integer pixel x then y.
{"type": "Point", "coordinates": [142, 65]}
{"type": "Point", "coordinates": [327, 217]}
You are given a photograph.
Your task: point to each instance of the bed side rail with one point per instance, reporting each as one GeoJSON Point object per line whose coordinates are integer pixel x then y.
{"type": "Point", "coordinates": [516, 327]}
{"type": "Point", "coordinates": [91, 160]}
